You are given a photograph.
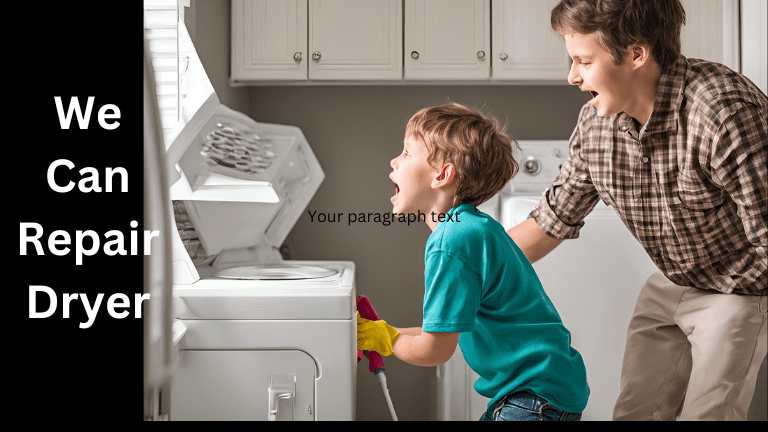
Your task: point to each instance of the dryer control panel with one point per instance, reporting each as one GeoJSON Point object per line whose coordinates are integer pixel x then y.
{"type": "Point", "coordinates": [540, 163]}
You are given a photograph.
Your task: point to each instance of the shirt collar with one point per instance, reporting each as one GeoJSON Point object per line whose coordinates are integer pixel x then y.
{"type": "Point", "coordinates": [669, 97]}
{"type": "Point", "coordinates": [463, 208]}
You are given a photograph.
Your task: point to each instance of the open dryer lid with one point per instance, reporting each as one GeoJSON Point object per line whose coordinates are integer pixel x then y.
{"type": "Point", "coordinates": [244, 184]}
{"type": "Point", "coordinates": [245, 180]}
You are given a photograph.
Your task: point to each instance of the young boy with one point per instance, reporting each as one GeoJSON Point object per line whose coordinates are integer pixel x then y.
{"type": "Point", "coordinates": [481, 291]}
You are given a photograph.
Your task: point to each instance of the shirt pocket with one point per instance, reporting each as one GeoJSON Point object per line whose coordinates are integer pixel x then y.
{"type": "Point", "coordinates": [698, 194]}
{"type": "Point", "coordinates": [694, 222]}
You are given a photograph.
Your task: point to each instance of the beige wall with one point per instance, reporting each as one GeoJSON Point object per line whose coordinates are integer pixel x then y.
{"type": "Point", "coordinates": [355, 131]}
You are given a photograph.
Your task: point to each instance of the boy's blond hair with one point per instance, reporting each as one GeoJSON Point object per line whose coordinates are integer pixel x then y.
{"type": "Point", "coordinates": [475, 144]}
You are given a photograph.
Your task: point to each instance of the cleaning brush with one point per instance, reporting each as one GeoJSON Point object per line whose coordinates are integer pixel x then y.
{"type": "Point", "coordinates": [375, 363]}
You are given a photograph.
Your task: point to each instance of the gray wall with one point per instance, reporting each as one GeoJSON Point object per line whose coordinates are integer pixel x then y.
{"type": "Point", "coordinates": [355, 131]}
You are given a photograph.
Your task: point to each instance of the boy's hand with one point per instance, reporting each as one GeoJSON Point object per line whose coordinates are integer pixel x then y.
{"type": "Point", "coordinates": [375, 336]}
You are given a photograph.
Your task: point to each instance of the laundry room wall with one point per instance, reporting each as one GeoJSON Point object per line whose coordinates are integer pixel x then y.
{"type": "Point", "coordinates": [355, 131]}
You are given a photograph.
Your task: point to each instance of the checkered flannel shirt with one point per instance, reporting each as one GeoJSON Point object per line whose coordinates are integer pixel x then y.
{"type": "Point", "coordinates": [691, 184]}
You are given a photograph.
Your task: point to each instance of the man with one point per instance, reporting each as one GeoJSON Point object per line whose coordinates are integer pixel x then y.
{"type": "Point", "coordinates": [679, 148]}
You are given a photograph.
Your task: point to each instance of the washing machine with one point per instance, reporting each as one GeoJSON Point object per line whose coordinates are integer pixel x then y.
{"type": "Point", "coordinates": [593, 281]}
{"type": "Point", "coordinates": [258, 337]}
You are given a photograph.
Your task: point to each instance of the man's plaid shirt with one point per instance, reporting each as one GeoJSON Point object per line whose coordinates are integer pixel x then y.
{"type": "Point", "coordinates": [691, 185]}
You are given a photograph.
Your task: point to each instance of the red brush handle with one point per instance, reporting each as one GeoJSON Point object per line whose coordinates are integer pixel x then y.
{"type": "Point", "coordinates": [366, 311]}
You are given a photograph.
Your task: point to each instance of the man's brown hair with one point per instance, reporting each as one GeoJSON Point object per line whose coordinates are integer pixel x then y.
{"type": "Point", "coordinates": [622, 23]}
{"type": "Point", "coordinates": [475, 144]}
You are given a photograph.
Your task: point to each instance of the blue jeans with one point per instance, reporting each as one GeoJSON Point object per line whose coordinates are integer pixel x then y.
{"type": "Point", "coordinates": [524, 406]}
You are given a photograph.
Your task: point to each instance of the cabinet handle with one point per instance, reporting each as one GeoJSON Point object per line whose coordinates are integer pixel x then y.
{"type": "Point", "coordinates": [481, 55]}
{"type": "Point", "coordinates": [503, 56]}
{"type": "Point", "coordinates": [297, 57]}
{"type": "Point", "coordinates": [414, 55]}
{"type": "Point", "coordinates": [316, 55]}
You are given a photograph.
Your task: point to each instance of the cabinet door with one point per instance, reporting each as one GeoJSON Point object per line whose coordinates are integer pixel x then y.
{"type": "Point", "coordinates": [711, 31]}
{"type": "Point", "coordinates": [355, 40]}
{"type": "Point", "coordinates": [235, 385]}
{"type": "Point", "coordinates": [269, 40]}
{"type": "Point", "coordinates": [524, 45]}
{"type": "Point", "coordinates": [447, 39]}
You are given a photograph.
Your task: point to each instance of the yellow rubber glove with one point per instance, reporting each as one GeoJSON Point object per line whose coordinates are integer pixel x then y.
{"type": "Point", "coordinates": [375, 336]}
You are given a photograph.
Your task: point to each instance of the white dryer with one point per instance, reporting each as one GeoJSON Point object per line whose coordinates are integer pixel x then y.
{"type": "Point", "coordinates": [263, 338]}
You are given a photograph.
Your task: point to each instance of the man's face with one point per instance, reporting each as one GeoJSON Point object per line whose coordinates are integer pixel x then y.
{"type": "Point", "coordinates": [593, 70]}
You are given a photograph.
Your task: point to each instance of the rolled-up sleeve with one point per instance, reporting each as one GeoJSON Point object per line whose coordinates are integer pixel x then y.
{"type": "Point", "coordinates": [572, 196]}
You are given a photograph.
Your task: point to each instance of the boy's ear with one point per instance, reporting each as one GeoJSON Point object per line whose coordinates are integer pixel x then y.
{"type": "Point", "coordinates": [641, 54]}
{"type": "Point", "coordinates": [445, 176]}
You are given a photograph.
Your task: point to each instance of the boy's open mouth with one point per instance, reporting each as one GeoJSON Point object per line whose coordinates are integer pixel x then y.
{"type": "Point", "coordinates": [593, 93]}
{"type": "Point", "coordinates": [397, 192]}
{"type": "Point", "coordinates": [397, 188]}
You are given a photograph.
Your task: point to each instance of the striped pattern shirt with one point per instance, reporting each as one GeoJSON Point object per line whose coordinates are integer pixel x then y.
{"type": "Point", "coordinates": [691, 184]}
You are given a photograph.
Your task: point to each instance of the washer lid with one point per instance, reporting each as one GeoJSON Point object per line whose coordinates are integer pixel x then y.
{"type": "Point", "coordinates": [324, 298]}
{"type": "Point", "coordinates": [275, 272]}
{"type": "Point", "coordinates": [515, 210]}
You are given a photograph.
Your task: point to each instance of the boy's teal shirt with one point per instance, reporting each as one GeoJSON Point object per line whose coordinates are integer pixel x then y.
{"type": "Point", "coordinates": [480, 284]}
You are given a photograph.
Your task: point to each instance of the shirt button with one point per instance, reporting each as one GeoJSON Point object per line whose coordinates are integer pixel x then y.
{"type": "Point", "coordinates": [623, 128]}
{"type": "Point", "coordinates": [645, 159]}
{"type": "Point", "coordinates": [760, 250]}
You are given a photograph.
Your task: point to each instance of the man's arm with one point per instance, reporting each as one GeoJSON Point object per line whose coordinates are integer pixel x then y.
{"type": "Point", "coordinates": [739, 157]}
{"type": "Point", "coordinates": [532, 240]}
{"type": "Point", "coordinates": [424, 349]}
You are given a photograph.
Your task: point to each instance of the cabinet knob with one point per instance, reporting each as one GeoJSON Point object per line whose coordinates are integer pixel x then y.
{"type": "Point", "coordinates": [316, 55]}
{"type": "Point", "coordinates": [503, 56]}
{"type": "Point", "coordinates": [297, 56]}
{"type": "Point", "coordinates": [414, 55]}
{"type": "Point", "coordinates": [481, 55]}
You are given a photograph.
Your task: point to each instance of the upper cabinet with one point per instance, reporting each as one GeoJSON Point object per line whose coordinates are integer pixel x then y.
{"type": "Point", "coordinates": [524, 45]}
{"type": "Point", "coordinates": [447, 39]}
{"type": "Point", "coordinates": [432, 41]}
{"type": "Point", "coordinates": [394, 41]}
{"type": "Point", "coordinates": [288, 40]}
{"type": "Point", "coordinates": [355, 40]}
{"type": "Point", "coordinates": [269, 40]}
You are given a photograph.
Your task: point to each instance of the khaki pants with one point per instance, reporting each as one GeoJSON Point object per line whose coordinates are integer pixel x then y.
{"type": "Point", "coordinates": [701, 344]}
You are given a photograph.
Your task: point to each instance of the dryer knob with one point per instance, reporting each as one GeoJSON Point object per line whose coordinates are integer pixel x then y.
{"type": "Point", "coordinates": [532, 166]}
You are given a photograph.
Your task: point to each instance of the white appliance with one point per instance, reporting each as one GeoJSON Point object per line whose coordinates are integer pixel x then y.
{"type": "Point", "coordinates": [257, 338]}
{"type": "Point", "coordinates": [593, 281]}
